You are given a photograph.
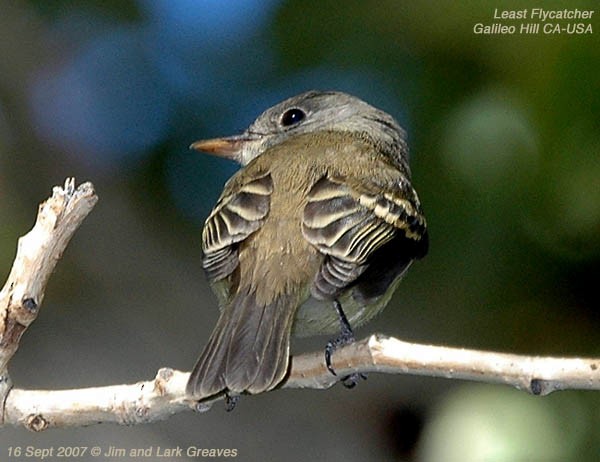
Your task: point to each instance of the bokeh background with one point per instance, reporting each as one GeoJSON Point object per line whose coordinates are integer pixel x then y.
{"type": "Point", "coordinates": [505, 140]}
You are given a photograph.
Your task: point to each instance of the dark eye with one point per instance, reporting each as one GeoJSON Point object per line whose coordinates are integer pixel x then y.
{"type": "Point", "coordinates": [292, 116]}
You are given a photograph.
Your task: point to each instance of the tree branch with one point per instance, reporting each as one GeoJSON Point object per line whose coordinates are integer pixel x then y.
{"type": "Point", "coordinates": [164, 396]}
{"type": "Point", "coordinates": [537, 375]}
{"type": "Point", "coordinates": [37, 254]}
{"type": "Point", "coordinates": [157, 399]}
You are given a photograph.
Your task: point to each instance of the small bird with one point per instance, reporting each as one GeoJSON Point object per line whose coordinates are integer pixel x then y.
{"type": "Point", "coordinates": [310, 237]}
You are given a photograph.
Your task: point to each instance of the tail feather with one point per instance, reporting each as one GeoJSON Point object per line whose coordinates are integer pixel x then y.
{"type": "Point", "coordinates": [248, 346]}
{"type": "Point", "coordinates": [248, 351]}
{"type": "Point", "coordinates": [206, 381]}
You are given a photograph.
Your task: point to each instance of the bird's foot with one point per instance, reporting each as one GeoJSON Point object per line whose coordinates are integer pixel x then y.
{"type": "Point", "coordinates": [346, 337]}
{"type": "Point", "coordinates": [231, 401]}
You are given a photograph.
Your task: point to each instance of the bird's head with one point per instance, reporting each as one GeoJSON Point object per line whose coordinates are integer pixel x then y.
{"type": "Point", "coordinates": [312, 111]}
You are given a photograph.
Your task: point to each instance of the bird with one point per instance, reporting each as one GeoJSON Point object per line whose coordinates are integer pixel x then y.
{"type": "Point", "coordinates": [310, 237]}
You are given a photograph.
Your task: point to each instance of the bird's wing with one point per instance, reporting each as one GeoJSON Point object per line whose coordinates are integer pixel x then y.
{"type": "Point", "coordinates": [240, 211]}
{"type": "Point", "coordinates": [350, 220]}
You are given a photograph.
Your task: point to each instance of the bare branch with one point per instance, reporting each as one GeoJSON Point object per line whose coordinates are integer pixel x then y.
{"type": "Point", "coordinates": [537, 375]}
{"type": "Point", "coordinates": [37, 254]}
{"type": "Point", "coordinates": [145, 402]}
{"type": "Point", "coordinates": [137, 403]}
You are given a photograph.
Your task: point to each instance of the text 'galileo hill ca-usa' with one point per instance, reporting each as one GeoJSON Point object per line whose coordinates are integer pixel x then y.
{"type": "Point", "coordinates": [537, 21]}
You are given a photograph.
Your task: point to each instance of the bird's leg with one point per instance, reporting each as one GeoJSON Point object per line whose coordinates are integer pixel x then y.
{"type": "Point", "coordinates": [231, 401]}
{"type": "Point", "coordinates": [345, 338]}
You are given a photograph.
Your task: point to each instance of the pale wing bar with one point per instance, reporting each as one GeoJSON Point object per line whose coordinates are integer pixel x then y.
{"type": "Point", "coordinates": [349, 226]}
{"type": "Point", "coordinates": [234, 218]}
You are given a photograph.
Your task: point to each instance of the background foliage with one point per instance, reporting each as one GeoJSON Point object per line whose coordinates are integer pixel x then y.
{"type": "Point", "coordinates": [505, 139]}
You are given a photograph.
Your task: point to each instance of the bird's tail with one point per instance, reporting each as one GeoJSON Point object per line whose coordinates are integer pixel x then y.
{"type": "Point", "coordinates": [248, 351]}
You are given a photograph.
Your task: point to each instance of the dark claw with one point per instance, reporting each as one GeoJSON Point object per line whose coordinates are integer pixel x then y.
{"type": "Point", "coordinates": [345, 338]}
{"type": "Point", "coordinates": [231, 401]}
{"type": "Point", "coordinates": [351, 380]}
{"type": "Point", "coordinates": [329, 349]}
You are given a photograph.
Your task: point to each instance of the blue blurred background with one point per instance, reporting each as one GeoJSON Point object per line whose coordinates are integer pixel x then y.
{"type": "Point", "coordinates": [505, 140]}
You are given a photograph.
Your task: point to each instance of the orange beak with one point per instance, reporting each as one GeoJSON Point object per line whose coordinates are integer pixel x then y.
{"type": "Point", "coordinates": [228, 147]}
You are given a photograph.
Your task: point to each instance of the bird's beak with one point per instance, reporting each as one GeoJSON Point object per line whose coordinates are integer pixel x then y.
{"type": "Point", "coordinates": [229, 147]}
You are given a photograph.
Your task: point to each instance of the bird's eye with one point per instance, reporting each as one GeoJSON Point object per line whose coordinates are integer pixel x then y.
{"type": "Point", "coordinates": [292, 117]}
